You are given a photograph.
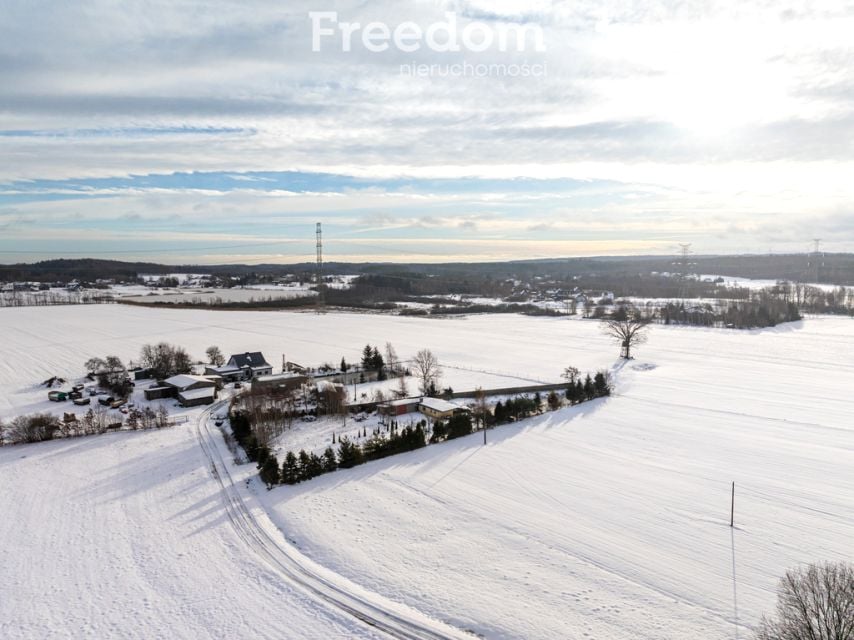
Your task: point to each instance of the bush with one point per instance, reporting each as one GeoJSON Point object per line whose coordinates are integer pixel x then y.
{"type": "Point", "coordinates": [37, 427]}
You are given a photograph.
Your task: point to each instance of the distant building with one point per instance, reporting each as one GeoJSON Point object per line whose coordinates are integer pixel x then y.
{"type": "Point", "coordinates": [244, 366]}
{"type": "Point", "coordinates": [280, 381]}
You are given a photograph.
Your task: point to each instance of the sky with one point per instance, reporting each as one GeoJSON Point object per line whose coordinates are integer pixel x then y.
{"type": "Point", "coordinates": [222, 131]}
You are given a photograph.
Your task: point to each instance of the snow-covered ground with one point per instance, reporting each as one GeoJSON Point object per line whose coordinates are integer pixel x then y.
{"type": "Point", "coordinates": [609, 520]}
{"type": "Point", "coordinates": [198, 296]}
{"type": "Point", "coordinates": [124, 535]}
{"type": "Point", "coordinates": [487, 351]}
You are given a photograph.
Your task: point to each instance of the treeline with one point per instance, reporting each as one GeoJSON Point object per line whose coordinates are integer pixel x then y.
{"type": "Point", "coordinates": [302, 466]}
{"type": "Point", "coordinates": [467, 308]}
{"type": "Point", "coordinates": [41, 427]}
{"type": "Point", "coordinates": [762, 310]}
{"type": "Point", "coordinates": [52, 298]}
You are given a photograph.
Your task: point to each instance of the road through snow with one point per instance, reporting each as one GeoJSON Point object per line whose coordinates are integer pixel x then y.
{"type": "Point", "coordinates": [392, 619]}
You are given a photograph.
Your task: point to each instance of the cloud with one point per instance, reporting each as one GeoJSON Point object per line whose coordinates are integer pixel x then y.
{"type": "Point", "coordinates": [655, 118]}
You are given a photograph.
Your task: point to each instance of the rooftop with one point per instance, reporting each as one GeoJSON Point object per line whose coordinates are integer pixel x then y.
{"type": "Point", "coordinates": [437, 404]}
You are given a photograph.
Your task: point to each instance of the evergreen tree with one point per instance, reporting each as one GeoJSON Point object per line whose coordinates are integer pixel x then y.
{"type": "Point", "coordinates": [315, 465]}
{"type": "Point", "coordinates": [500, 413]}
{"type": "Point", "coordinates": [290, 469]}
{"type": "Point", "coordinates": [600, 385]}
{"type": "Point", "coordinates": [304, 465]}
{"type": "Point", "coordinates": [349, 454]}
{"type": "Point", "coordinates": [459, 425]}
{"type": "Point", "coordinates": [439, 432]}
{"type": "Point", "coordinates": [367, 357]}
{"type": "Point", "coordinates": [270, 471]}
{"type": "Point", "coordinates": [330, 462]}
{"type": "Point", "coordinates": [261, 455]}
{"type": "Point", "coordinates": [553, 401]}
{"type": "Point", "coordinates": [589, 390]}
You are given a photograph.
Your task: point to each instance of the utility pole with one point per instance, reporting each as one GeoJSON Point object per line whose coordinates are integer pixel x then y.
{"type": "Point", "coordinates": [732, 507]}
{"type": "Point", "coordinates": [816, 258]}
{"type": "Point", "coordinates": [320, 301]}
{"type": "Point", "coordinates": [684, 265]}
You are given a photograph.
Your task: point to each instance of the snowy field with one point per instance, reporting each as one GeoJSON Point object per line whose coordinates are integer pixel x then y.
{"type": "Point", "coordinates": [124, 536]}
{"type": "Point", "coordinates": [609, 520]}
{"type": "Point", "coordinates": [41, 342]}
{"type": "Point", "coordinates": [198, 296]}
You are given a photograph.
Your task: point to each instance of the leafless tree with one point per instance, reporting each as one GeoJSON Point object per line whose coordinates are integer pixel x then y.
{"type": "Point", "coordinates": [816, 603]}
{"type": "Point", "coordinates": [215, 356]}
{"type": "Point", "coordinates": [33, 428]}
{"type": "Point", "coordinates": [391, 361]}
{"type": "Point", "coordinates": [570, 374]}
{"type": "Point", "coordinates": [427, 370]}
{"type": "Point", "coordinates": [481, 408]}
{"type": "Point", "coordinates": [629, 332]}
{"type": "Point", "coordinates": [402, 390]}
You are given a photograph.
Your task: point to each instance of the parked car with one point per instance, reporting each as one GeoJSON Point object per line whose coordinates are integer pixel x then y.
{"type": "Point", "coordinates": [80, 402]}
{"type": "Point", "coordinates": [75, 395]}
{"type": "Point", "coordinates": [107, 401]}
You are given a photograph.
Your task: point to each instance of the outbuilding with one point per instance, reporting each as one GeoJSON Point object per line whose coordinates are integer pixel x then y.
{"type": "Point", "coordinates": [439, 409]}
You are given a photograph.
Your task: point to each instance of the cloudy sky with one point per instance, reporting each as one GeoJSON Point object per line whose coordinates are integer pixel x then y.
{"type": "Point", "coordinates": [211, 131]}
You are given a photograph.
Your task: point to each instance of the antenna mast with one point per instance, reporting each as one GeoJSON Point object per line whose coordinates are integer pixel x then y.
{"type": "Point", "coordinates": [320, 301]}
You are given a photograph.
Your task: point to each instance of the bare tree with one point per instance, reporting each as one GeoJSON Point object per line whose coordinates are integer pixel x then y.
{"type": "Point", "coordinates": [570, 374]}
{"type": "Point", "coordinates": [391, 360]}
{"type": "Point", "coordinates": [427, 370]}
{"type": "Point", "coordinates": [481, 408]}
{"type": "Point", "coordinates": [629, 332]}
{"type": "Point", "coordinates": [215, 356]}
{"type": "Point", "coordinates": [402, 390]}
{"type": "Point", "coordinates": [816, 603]}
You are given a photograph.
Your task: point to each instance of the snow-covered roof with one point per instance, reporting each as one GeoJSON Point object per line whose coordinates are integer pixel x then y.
{"type": "Point", "coordinates": [402, 402]}
{"type": "Point", "coordinates": [225, 370]}
{"type": "Point", "coordinates": [279, 376]}
{"type": "Point", "coordinates": [255, 360]}
{"type": "Point", "coordinates": [185, 380]}
{"type": "Point", "coordinates": [437, 404]}
{"type": "Point", "coordinates": [195, 394]}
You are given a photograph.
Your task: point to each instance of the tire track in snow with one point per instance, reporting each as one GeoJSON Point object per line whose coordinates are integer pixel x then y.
{"type": "Point", "coordinates": [373, 612]}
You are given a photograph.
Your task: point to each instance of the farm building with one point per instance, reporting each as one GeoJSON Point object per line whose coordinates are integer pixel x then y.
{"type": "Point", "coordinates": [398, 407]}
{"type": "Point", "coordinates": [190, 390]}
{"type": "Point", "coordinates": [281, 381]}
{"type": "Point", "coordinates": [438, 409]}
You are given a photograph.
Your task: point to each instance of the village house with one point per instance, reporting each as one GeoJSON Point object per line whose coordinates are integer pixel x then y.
{"type": "Point", "coordinates": [243, 366]}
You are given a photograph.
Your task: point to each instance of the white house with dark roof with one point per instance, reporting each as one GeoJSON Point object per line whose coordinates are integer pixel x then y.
{"type": "Point", "coordinates": [242, 366]}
